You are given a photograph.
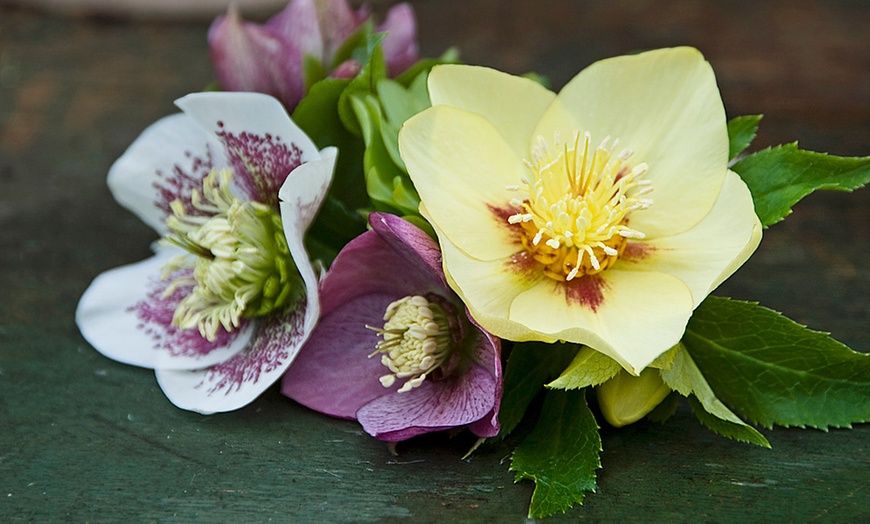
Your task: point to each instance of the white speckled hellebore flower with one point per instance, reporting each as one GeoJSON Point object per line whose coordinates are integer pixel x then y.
{"type": "Point", "coordinates": [395, 349]}
{"type": "Point", "coordinates": [603, 215]}
{"type": "Point", "coordinates": [230, 296]}
{"type": "Point", "coordinates": [269, 58]}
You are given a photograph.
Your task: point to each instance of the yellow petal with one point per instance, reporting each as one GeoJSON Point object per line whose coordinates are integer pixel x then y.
{"type": "Point", "coordinates": [710, 252]}
{"type": "Point", "coordinates": [513, 104]}
{"type": "Point", "coordinates": [461, 166]}
{"type": "Point", "coordinates": [665, 106]}
{"type": "Point", "coordinates": [637, 317]}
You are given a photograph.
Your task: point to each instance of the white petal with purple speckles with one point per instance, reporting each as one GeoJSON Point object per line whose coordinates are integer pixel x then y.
{"type": "Point", "coordinates": [125, 316]}
{"type": "Point", "coordinates": [262, 143]}
{"type": "Point", "coordinates": [168, 160]}
{"type": "Point", "coordinates": [238, 381]}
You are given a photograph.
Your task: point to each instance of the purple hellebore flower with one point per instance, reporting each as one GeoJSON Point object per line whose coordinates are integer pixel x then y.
{"type": "Point", "coordinates": [394, 347]}
{"type": "Point", "coordinates": [230, 296]}
{"type": "Point", "coordinates": [268, 58]}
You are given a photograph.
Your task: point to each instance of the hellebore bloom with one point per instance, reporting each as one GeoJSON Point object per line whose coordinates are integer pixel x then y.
{"type": "Point", "coordinates": [394, 347]}
{"type": "Point", "coordinates": [268, 58]}
{"type": "Point", "coordinates": [230, 296]}
{"type": "Point", "coordinates": [603, 215]}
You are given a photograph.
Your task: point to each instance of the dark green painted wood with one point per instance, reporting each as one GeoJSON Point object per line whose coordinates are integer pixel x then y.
{"type": "Point", "coordinates": [85, 439]}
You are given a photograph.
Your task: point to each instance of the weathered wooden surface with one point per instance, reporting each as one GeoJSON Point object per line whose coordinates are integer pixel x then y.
{"type": "Point", "coordinates": [85, 439]}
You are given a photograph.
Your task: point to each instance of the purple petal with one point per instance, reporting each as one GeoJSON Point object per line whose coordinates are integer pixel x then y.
{"type": "Point", "coordinates": [488, 355]}
{"type": "Point", "coordinates": [124, 315]}
{"type": "Point", "coordinates": [236, 382]}
{"type": "Point", "coordinates": [411, 243]}
{"type": "Point", "coordinates": [378, 262]}
{"type": "Point", "coordinates": [452, 402]}
{"type": "Point", "coordinates": [299, 25]}
{"type": "Point", "coordinates": [250, 57]}
{"type": "Point", "coordinates": [337, 22]}
{"type": "Point", "coordinates": [262, 143]}
{"type": "Point", "coordinates": [333, 374]}
{"type": "Point", "coordinates": [166, 162]}
{"type": "Point", "coordinates": [400, 45]}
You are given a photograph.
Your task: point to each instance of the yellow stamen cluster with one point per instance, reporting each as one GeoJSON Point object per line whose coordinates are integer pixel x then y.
{"type": "Point", "coordinates": [575, 216]}
{"type": "Point", "coordinates": [416, 341]}
{"type": "Point", "coordinates": [242, 267]}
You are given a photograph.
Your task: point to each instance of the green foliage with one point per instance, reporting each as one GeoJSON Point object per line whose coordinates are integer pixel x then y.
{"type": "Point", "coordinates": [741, 132]}
{"type": "Point", "coordinates": [529, 366]}
{"type": "Point", "coordinates": [589, 368]}
{"type": "Point", "coordinates": [740, 432]}
{"type": "Point", "coordinates": [560, 455]}
{"type": "Point", "coordinates": [338, 221]}
{"type": "Point", "coordinates": [779, 177]}
{"type": "Point", "coordinates": [772, 370]}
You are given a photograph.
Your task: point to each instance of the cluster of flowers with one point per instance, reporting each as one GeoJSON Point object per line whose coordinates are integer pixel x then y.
{"type": "Point", "coordinates": [602, 215]}
{"type": "Point", "coordinates": [382, 233]}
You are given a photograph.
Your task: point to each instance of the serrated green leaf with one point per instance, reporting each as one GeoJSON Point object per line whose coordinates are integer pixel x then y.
{"type": "Point", "coordinates": [741, 132]}
{"type": "Point", "coordinates": [589, 368]}
{"type": "Point", "coordinates": [772, 370]}
{"type": "Point", "coordinates": [529, 366]}
{"type": "Point", "coordinates": [738, 432]}
{"type": "Point", "coordinates": [685, 378]}
{"type": "Point", "coordinates": [560, 455]}
{"type": "Point", "coordinates": [779, 177]}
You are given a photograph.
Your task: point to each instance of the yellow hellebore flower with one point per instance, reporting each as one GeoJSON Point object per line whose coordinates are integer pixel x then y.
{"type": "Point", "coordinates": [602, 215]}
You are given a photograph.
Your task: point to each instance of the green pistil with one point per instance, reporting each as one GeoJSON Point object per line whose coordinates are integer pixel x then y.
{"type": "Point", "coordinates": [242, 266]}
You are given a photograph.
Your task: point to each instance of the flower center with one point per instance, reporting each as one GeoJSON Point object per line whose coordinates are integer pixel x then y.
{"type": "Point", "coordinates": [242, 267]}
{"type": "Point", "coordinates": [575, 217]}
{"type": "Point", "coordinates": [417, 340]}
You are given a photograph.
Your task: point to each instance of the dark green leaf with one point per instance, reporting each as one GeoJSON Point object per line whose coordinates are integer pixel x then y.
{"type": "Point", "coordinates": [772, 370]}
{"type": "Point", "coordinates": [317, 114]}
{"type": "Point", "coordinates": [530, 365]}
{"type": "Point", "coordinates": [741, 132]}
{"type": "Point", "coordinates": [779, 177]}
{"type": "Point", "coordinates": [665, 409]}
{"type": "Point", "coordinates": [561, 454]}
{"type": "Point", "coordinates": [739, 432]}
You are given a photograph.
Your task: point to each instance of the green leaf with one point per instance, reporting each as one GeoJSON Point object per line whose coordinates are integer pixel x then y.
{"type": "Point", "coordinates": [665, 409]}
{"type": "Point", "coordinates": [317, 114]}
{"type": "Point", "coordinates": [364, 83]}
{"type": "Point", "coordinates": [779, 177]}
{"type": "Point", "coordinates": [406, 77]}
{"type": "Point", "coordinates": [589, 368]}
{"type": "Point", "coordinates": [772, 370]}
{"type": "Point", "coordinates": [741, 132]}
{"type": "Point", "coordinates": [561, 454]}
{"type": "Point", "coordinates": [684, 377]}
{"type": "Point", "coordinates": [529, 366]}
{"type": "Point", "coordinates": [738, 432]}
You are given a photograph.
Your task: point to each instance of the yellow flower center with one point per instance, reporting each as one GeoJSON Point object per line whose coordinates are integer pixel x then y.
{"type": "Point", "coordinates": [416, 340]}
{"type": "Point", "coordinates": [575, 216]}
{"type": "Point", "coordinates": [242, 267]}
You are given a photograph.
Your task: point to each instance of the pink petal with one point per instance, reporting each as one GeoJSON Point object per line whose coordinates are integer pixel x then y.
{"type": "Point", "coordinates": [124, 315]}
{"type": "Point", "coordinates": [452, 402]}
{"type": "Point", "coordinates": [333, 373]}
{"type": "Point", "coordinates": [337, 22]}
{"type": "Point", "coordinates": [298, 23]}
{"type": "Point", "coordinates": [250, 57]}
{"type": "Point", "coordinates": [400, 45]}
